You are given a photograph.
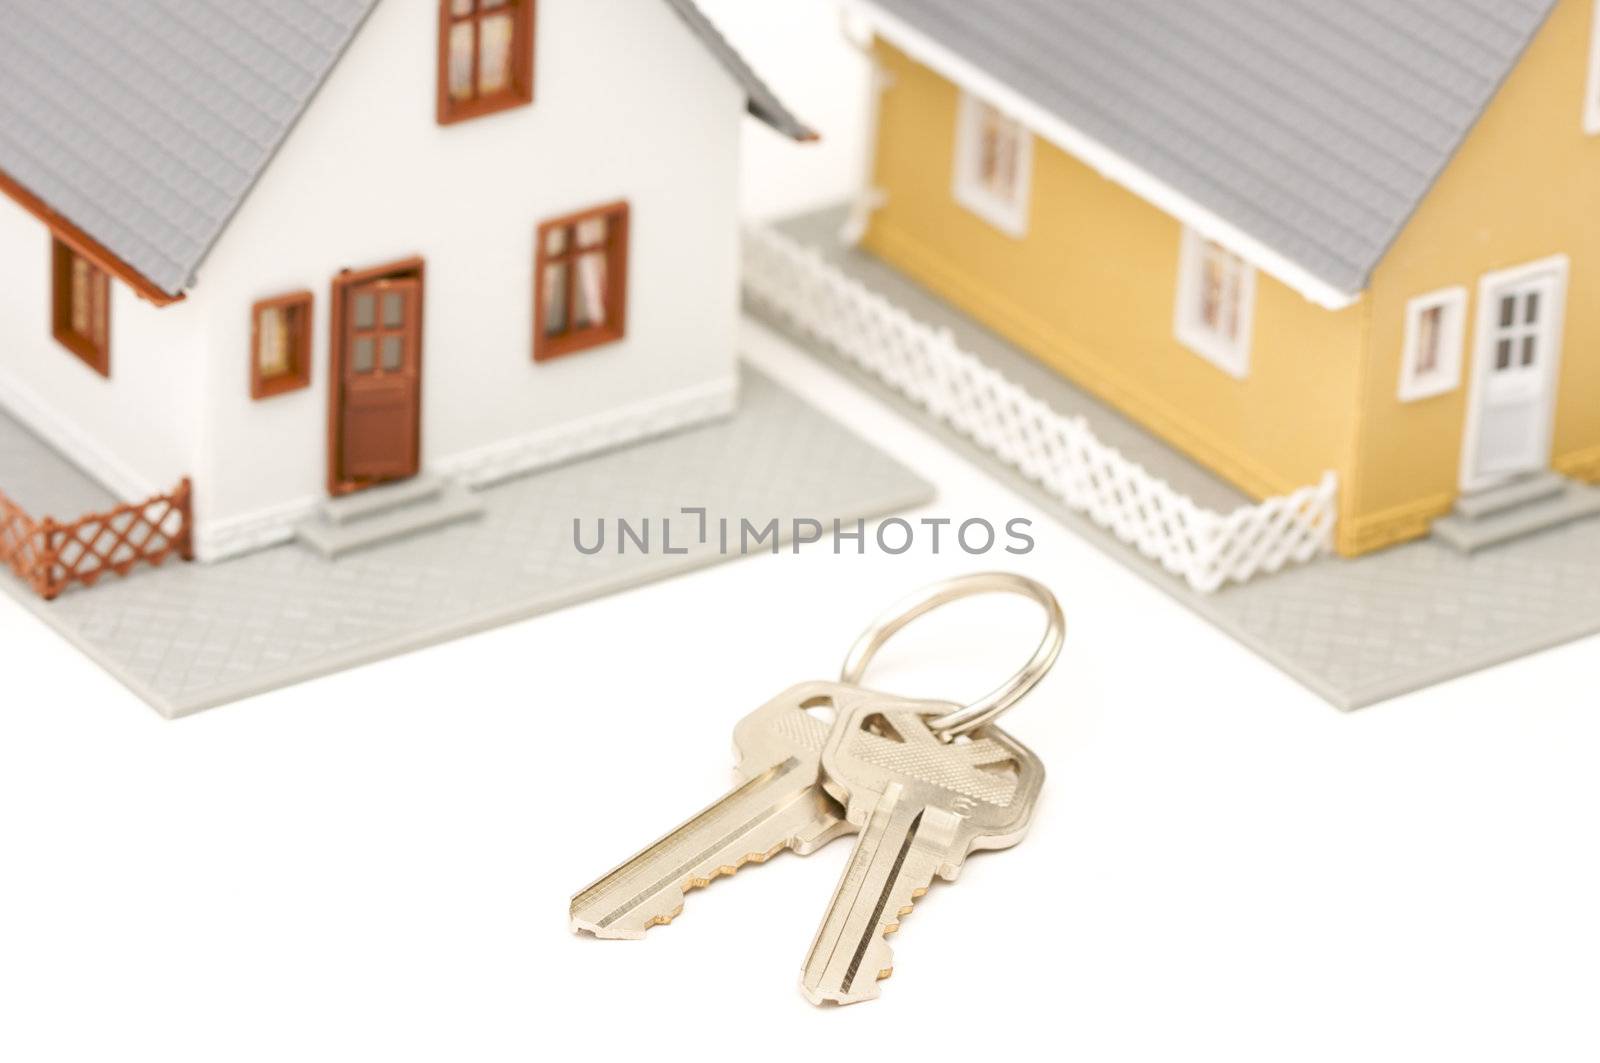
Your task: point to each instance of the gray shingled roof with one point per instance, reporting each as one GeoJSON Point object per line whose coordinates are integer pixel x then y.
{"type": "Point", "coordinates": [146, 122]}
{"type": "Point", "coordinates": [1315, 127]}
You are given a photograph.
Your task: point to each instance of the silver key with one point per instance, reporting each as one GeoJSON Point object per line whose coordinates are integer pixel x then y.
{"type": "Point", "coordinates": [777, 805]}
{"type": "Point", "coordinates": [922, 805]}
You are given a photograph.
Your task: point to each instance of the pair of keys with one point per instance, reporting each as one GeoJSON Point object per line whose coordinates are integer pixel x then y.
{"type": "Point", "coordinates": [923, 783]}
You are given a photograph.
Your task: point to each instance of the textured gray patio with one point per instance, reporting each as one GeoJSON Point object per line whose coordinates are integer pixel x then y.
{"type": "Point", "coordinates": [1355, 631]}
{"type": "Point", "coordinates": [187, 637]}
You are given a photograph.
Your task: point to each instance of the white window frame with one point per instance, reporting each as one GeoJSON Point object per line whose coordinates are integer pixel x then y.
{"type": "Point", "coordinates": [1591, 101]}
{"type": "Point", "coordinates": [1231, 356]}
{"type": "Point", "coordinates": [1415, 384]}
{"type": "Point", "coordinates": [1009, 216]}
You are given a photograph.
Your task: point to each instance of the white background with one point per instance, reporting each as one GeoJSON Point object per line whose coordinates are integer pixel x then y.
{"type": "Point", "coordinates": [377, 865]}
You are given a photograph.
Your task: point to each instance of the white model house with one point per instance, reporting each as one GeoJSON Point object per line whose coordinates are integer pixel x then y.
{"type": "Point", "coordinates": [295, 248]}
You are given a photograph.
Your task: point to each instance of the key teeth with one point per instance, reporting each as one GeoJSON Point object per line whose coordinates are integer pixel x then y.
{"type": "Point", "coordinates": [894, 927]}
{"type": "Point", "coordinates": [727, 870]}
{"type": "Point", "coordinates": [687, 887]}
{"type": "Point", "coordinates": [872, 991]}
{"type": "Point", "coordinates": [663, 920]}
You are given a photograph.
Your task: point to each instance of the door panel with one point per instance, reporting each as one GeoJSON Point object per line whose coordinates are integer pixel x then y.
{"type": "Point", "coordinates": [1518, 351]}
{"type": "Point", "coordinates": [379, 403]}
{"type": "Point", "coordinates": [377, 431]}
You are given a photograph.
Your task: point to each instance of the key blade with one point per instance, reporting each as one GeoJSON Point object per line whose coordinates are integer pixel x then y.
{"type": "Point", "coordinates": [923, 805]}
{"type": "Point", "coordinates": [780, 806]}
{"type": "Point", "coordinates": [777, 809]}
{"type": "Point", "coordinates": [900, 849]}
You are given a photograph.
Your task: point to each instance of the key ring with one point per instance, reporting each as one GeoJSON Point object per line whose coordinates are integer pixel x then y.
{"type": "Point", "coordinates": [998, 700]}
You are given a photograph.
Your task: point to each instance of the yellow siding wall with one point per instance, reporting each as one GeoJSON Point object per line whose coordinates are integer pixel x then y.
{"type": "Point", "coordinates": [1525, 186]}
{"type": "Point", "coordinates": [1091, 289]}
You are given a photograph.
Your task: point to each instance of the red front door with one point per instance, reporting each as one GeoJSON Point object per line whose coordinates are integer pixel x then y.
{"type": "Point", "coordinates": [377, 411]}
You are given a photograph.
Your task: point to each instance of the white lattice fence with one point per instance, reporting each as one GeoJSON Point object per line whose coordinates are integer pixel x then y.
{"type": "Point", "coordinates": [1206, 548]}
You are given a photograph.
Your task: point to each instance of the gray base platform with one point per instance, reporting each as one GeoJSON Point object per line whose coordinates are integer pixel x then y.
{"type": "Point", "coordinates": [188, 637]}
{"type": "Point", "coordinates": [1355, 631]}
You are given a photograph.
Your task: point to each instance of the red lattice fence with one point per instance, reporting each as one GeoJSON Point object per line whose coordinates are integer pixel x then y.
{"type": "Point", "coordinates": [50, 556]}
{"type": "Point", "coordinates": [19, 540]}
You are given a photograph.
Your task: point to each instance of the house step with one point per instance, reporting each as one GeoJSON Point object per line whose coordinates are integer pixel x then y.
{"type": "Point", "coordinates": [1574, 502]}
{"type": "Point", "coordinates": [1518, 492]}
{"type": "Point", "coordinates": [449, 504]}
{"type": "Point", "coordinates": [375, 501]}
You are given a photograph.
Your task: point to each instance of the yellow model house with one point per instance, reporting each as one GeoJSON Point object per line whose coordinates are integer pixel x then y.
{"type": "Point", "coordinates": [1286, 238]}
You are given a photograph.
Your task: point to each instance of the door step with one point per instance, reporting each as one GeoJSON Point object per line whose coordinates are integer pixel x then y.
{"type": "Point", "coordinates": [399, 510]}
{"type": "Point", "coordinates": [1520, 508]}
{"type": "Point", "coordinates": [376, 500]}
{"type": "Point", "coordinates": [1518, 492]}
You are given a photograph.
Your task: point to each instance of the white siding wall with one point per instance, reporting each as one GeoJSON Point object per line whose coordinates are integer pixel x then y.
{"type": "Point", "coordinates": [135, 432]}
{"type": "Point", "coordinates": [628, 105]}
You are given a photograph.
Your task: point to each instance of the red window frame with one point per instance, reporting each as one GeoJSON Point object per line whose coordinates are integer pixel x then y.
{"type": "Point", "coordinates": [92, 344]}
{"type": "Point", "coordinates": [296, 309]}
{"type": "Point", "coordinates": [570, 340]}
{"type": "Point", "coordinates": [519, 91]}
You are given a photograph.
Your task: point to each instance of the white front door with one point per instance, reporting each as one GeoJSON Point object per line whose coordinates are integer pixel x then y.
{"type": "Point", "coordinates": [1518, 351]}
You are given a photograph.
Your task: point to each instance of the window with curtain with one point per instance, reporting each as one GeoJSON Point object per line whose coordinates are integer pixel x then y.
{"type": "Point", "coordinates": [485, 57]}
{"type": "Point", "coordinates": [280, 344]}
{"type": "Point", "coordinates": [993, 165]}
{"type": "Point", "coordinates": [1435, 329]}
{"type": "Point", "coordinates": [1216, 303]}
{"type": "Point", "coordinates": [580, 280]}
{"type": "Point", "coordinates": [81, 307]}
